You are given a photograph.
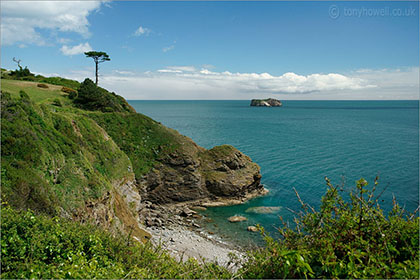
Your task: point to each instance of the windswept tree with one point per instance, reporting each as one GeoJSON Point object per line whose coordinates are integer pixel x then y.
{"type": "Point", "coordinates": [98, 57]}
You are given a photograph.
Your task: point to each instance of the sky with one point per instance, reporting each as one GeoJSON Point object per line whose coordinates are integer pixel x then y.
{"type": "Point", "coordinates": [222, 50]}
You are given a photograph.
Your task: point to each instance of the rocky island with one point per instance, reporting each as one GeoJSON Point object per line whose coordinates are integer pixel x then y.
{"type": "Point", "coordinates": [270, 102]}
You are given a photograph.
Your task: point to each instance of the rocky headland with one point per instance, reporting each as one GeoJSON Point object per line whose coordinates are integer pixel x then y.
{"type": "Point", "coordinates": [270, 102]}
{"type": "Point", "coordinates": [100, 162]}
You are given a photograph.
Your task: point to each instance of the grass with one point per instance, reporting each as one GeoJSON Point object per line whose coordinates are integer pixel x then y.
{"type": "Point", "coordinates": [36, 94]}
{"type": "Point", "coordinates": [54, 157]}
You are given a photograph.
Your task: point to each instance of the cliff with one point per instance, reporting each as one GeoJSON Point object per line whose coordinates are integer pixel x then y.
{"type": "Point", "coordinates": [270, 102]}
{"type": "Point", "coordinates": [76, 159]}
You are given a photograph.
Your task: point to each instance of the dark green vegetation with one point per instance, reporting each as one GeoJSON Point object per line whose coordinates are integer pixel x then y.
{"type": "Point", "coordinates": [141, 138]}
{"type": "Point", "coordinates": [344, 239]}
{"type": "Point", "coordinates": [98, 57]}
{"type": "Point", "coordinates": [26, 75]}
{"type": "Point", "coordinates": [37, 246]}
{"type": "Point", "coordinates": [54, 159]}
{"type": "Point", "coordinates": [94, 98]}
{"type": "Point", "coordinates": [60, 154]}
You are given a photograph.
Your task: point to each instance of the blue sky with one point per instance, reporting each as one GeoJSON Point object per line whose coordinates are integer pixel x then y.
{"type": "Point", "coordinates": [223, 50]}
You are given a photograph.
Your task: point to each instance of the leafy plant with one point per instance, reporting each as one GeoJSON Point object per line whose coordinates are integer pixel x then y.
{"type": "Point", "coordinates": [57, 103]}
{"type": "Point", "coordinates": [344, 239]}
{"type": "Point", "coordinates": [36, 246]}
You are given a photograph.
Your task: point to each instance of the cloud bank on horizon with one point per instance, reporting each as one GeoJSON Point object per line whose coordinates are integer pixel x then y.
{"type": "Point", "coordinates": [49, 24]}
{"type": "Point", "coordinates": [188, 82]}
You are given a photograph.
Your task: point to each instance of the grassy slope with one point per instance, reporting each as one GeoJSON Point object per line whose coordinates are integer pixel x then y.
{"type": "Point", "coordinates": [37, 94]}
{"type": "Point", "coordinates": [54, 158]}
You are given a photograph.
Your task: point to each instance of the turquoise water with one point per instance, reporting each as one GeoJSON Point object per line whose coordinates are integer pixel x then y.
{"type": "Point", "coordinates": [300, 143]}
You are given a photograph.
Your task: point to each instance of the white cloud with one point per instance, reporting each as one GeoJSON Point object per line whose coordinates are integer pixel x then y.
{"type": "Point", "coordinates": [78, 49]}
{"type": "Point", "coordinates": [124, 72]}
{"type": "Point", "coordinates": [21, 20]}
{"type": "Point", "coordinates": [142, 31]}
{"type": "Point", "coordinates": [205, 84]}
{"type": "Point", "coordinates": [177, 69]}
{"type": "Point", "coordinates": [174, 83]}
{"type": "Point", "coordinates": [64, 40]}
{"type": "Point", "coordinates": [167, 49]}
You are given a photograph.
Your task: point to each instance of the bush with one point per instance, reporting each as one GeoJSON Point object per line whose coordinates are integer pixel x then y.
{"type": "Point", "coordinates": [94, 98]}
{"type": "Point", "coordinates": [42, 86]}
{"type": "Point", "coordinates": [68, 90]}
{"type": "Point", "coordinates": [36, 246]}
{"type": "Point", "coordinates": [57, 102]}
{"type": "Point", "coordinates": [22, 73]}
{"type": "Point", "coordinates": [342, 240]}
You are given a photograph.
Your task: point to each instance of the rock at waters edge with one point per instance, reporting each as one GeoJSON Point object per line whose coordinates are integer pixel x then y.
{"type": "Point", "coordinates": [252, 229]}
{"type": "Point", "coordinates": [235, 219]}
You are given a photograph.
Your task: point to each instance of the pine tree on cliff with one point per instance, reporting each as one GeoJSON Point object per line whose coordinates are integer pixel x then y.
{"type": "Point", "coordinates": [98, 57]}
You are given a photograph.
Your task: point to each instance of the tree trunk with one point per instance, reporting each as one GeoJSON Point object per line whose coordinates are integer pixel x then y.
{"type": "Point", "coordinates": [96, 72]}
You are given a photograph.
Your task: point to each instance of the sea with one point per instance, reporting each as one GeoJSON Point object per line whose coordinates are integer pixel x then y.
{"type": "Point", "coordinates": [296, 146]}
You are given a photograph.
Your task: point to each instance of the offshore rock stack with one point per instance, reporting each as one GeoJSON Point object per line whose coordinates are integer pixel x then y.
{"type": "Point", "coordinates": [270, 102]}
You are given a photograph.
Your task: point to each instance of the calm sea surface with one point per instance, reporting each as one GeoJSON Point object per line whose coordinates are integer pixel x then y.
{"type": "Point", "coordinates": [300, 143]}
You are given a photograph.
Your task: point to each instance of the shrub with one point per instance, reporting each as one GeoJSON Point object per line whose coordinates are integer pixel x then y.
{"type": "Point", "coordinates": [94, 98]}
{"type": "Point", "coordinates": [36, 246]}
{"type": "Point", "coordinates": [42, 85]}
{"type": "Point", "coordinates": [57, 102]}
{"type": "Point", "coordinates": [23, 95]}
{"type": "Point", "coordinates": [342, 240]}
{"type": "Point", "coordinates": [22, 73]}
{"type": "Point", "coordinates": [68, 90]}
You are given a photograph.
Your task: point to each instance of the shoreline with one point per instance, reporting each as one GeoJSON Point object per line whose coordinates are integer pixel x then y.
{"type": "Point", "coordinates": [176, 228]}
{"type": "Point", "coordinates": [183, 243]}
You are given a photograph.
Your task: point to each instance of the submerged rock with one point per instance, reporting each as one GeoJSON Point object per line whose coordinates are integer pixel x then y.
{"type": "Point", "coordinates": [270, 102]}
{"type": "Point", "coordinates": [235, 219]}
{"type": "Point", "coordinates": [263, 209]}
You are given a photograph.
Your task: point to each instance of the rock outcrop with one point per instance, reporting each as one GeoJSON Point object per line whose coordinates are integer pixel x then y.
{"type": "Point", "coordinates": [270, 102]}
{"type": "Point", "coordinates": [193, 174]}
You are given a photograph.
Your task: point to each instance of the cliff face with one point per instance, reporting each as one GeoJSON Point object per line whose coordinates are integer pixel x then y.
{"type": "Point", "coordinates": [201, 176]}
{"type": "Point", "coordinates": [171, 168]}
{"type": "Point", "coordinates": [102, 167]}
{"type": "Point", "coordinates": [270, 102]}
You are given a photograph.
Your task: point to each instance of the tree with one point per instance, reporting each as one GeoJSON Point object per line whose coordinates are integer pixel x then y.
{"type": "Point", "coordinates": [18, 62]}
{"type": "Point", "coordinates": [98, 57]}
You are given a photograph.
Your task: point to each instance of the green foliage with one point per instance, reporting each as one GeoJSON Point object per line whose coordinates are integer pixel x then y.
{"type": "Point", "coordinates": [72, 93]}
{"type": "Point", "coordinates": [26, 75]}
{"type": "Point", "coordinates": [94, 98]}
{"type": "Point", "coordinates": [57, 103]}
{"type": "Point", "coordinates": [59, 82]}
{"type": "Point", "coordinates": [98, 56]}
{"type": "Point", "coordinates": [342, 240]}
{"type": "Point", "coordinates": [141, 138]}
{"type": "Point", "coordinates": [53, 159]}
{"type": "Point", "coordinates": [23, 74]}
{"type": "Point", "coordinates": [41, 247]}
{"type": "Point", "coordinates": [37, 95]}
